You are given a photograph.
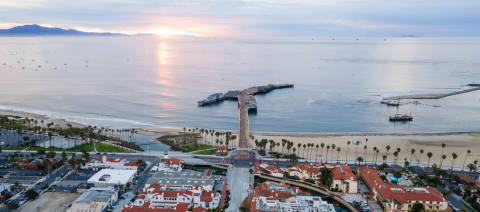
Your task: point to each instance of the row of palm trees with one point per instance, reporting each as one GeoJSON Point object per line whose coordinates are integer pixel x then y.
{"type": "Point", "coordinates": [76, 135]}
{"type": "Point", "coordinates": [214, 138]}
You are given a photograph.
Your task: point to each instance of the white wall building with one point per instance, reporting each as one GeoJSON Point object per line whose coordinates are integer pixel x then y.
{"type": "Point", "coordinates": [112, 178]}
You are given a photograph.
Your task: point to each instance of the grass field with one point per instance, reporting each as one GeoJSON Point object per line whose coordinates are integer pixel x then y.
{"type": "Point", "coordinates": [87, 146]}
{"type": "Point", "coordinates": [13, 148]}
{"type": "Point", "coordinates": [109, 148]}
{"type": "Point", "coordinates": [36, 148]}
{"type": "Point", "coordinates": [191, 148]}
{"type": "Point", "coordinates": [207, 152]}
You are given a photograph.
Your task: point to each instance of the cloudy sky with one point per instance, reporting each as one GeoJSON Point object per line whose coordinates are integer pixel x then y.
{"type": "Point", "coordinates": [257, 18]}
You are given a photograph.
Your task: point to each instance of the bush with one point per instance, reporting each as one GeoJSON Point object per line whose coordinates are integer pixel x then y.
{"type": "Point", "coordinates": [31, 194]}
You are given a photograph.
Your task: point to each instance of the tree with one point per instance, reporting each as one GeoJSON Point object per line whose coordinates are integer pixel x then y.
{"type": "Point", "coordinates": [421, 152]}
{"type": "Point", "coordinates": [348, 149]}
{"type": "Point", "coordinates": [338, 152]}
{"type": "Point", "coordinates": [325, 175]}
{"type": "Point", "coordinates": [328, 147]}
{"type": "Point", "coordinates": [471, 166]}
{"type": "Point", "coordinates": [243, 208]}
{"type": "Point", "coordinates": [277, 156]}
{"type": "Point", "coordinates": [468, 152]}
{"type": "Point", "coordinates": [12, 205]}
{"type": "Point", "coordinates": [386, 155]}
{"type": "Point", "coordinates": [321, 153]}
{"type": "Point", "coordinates": [304, 146]}
{"type": "Point", "coordinates": [46, 162]}
{"type": "Point", "coordinates": [139, 164]}
{"type": "Point", "coordinates": [441, 160]}
{"type": "Point", "coordinates": [293, 159]}
{"type": "Point", "coordinates": [31, 194]}
{"type": "Point", "coordinates": [418, 207]}
{"type": "Point", "coordinates": [453, 161]}
{"type": "Point", "coordinates": [413, 152]}
{"type": "Point", "coordinates": [360, 159]}
{"type": "Point", "coordinates": [51, 154]}
{"type": "Point", "coordinates": [397, 175]}
{"type": "Point", "coordinates": [429, 155]}
{"type": "Point", "coordinates": [316, 154]}
{"type": "Point", "coordinates": [365, 147]}
{"type": "Point", "coordinates": [333, 149]}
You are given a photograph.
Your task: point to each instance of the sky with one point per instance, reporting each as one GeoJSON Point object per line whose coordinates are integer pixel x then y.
{"type": "Point", "coordinates": [252, 18]}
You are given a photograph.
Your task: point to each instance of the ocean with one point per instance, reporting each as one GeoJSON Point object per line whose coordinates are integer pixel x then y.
{"type": "Point", "coordinates": [147, 81]}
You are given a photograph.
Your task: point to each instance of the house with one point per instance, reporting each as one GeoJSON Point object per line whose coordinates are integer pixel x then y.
{"type": "Point", "coordinates": [4, 174]}
{"type": "Point", "coordinates": [95, 200]}
{"type": "Point", "coordinates": [222, 149]}
{"type": "Point", "coordinates": [469, 182]}
{"type": "Point", "coordinates": [172, 164]}
{"type": "Point", "coordinates": [273, 196]}
{"type": "Point", "coordinates": [166, 207]}
{"type": "Point", "coordinates": [343, 179]}
{"type": "Point", "coordinates": [206, 174]}
{"type": "Point", "coordinates": [181, 179]}
{"type": "Point", "coordinates": [105, 163]}
{"type": "Point", "coordinates": [163, 196]}
{"type": "Point", "coordinates": [405, 195]}
{"type": "Point", "coordinates": [132, 165]}
{"type": "Point", "coordinates": [112, 178]}
{"type": "Point", "coordinates": [269, 170]}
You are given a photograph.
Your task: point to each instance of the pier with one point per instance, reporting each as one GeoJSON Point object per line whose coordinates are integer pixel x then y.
{"type": "Point", "coordinates": [434, 96]}
{"type": "Point", "coordinates": [243, 126]}
{"type": "Point", "coordinates": [234, 94]}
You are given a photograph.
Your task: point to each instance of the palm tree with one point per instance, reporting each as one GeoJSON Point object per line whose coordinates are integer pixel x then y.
{"type": "Point", "coordinates": [356, 151]}
{"type": "Point", "coordinates": [386, 158]}
{"type": "Point", "coordinates": [277, 156]}
{"type": "Point", "coordinates": [338, 152]}
{"type": "Point", "coordinates": [365, 147]}
{"type": "Point", "coordinates": [429, 155]}
{"type": "Point", "coordinates": [421, 152]}
{"type": "Point", "coordinates": [348, 149]}
{"type": "Point", "coordinates": [328, 147]}
{"type": "Point", "coordinates": [453, 161]}
{"type": "Point", "coordinates": [139, 163]}
{"type": "Point", "coordinates": [378, 150]}
{"type": "Point", "coordinates": [468, 152]}
{"type": "Point", "coordinates": [308, 145]}
{"type": "Point", "coordinates": [441, 160]}
{"type": "Point", "coordinates": [321, 154]}
{"type": "Point", "coordinates": [360, 159]}
{"type": "Point", "coordinates": [395, 154]}
{"type": "Point", "coordinates": [299, 147]}
{"type": "Point", "coordinates": [304, 146]}
{"type": "Point", "coordinates": [333, 148]}
{"type": "Point", "coordinates": [46, 162]}
{"type": "Point", "coordinates": [412, 151]}
{"type": "Point", "coordinates": [471, 166]}
{"type": "Point", "coordinates": [316, 154]}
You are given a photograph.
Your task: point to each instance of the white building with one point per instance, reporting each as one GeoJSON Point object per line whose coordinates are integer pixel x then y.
{"type": "Point", "coordinates": [95, 200]}
{"type": "Point", "coordinates": [112, 178]}
{"type": "Point", "coordinates": [105, 163]}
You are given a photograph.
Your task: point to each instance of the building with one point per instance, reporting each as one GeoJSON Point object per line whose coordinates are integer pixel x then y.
{"type": "Point", "coordinates": [112, 178]}
{"type": "Point", "coordinates": [222, 149]}
{"type": "Point", "coordinates": [163, 196]}
{"type": "Point", "coordinates": [4, 174]}
{"type": "Point", "coordinates": [181, 207]}
{"type": "Point", "coordinates": [467, 179]}
{"type": "Point", "coordinates": [273, 196]}
{"type": "Point", "coordinates": [206, 174]}
{"type": "Point", "coordinates": [132, 165]}
{"type": "Point", "coordinates": [105, 163]}
{"type": "Point", "coordinates": [269, 170]}
{"type": "Point", "coordinates": [5, 188]}
{"type": "Point", "coordinates": [181, 179]}
{"type": "Point", "coordinates": [95, 200]}
{"type": "Point", "coordinates": [344, 180]}
{"type": "Point", "coordinates": [385, 194]}
{"type": "Point", "coordinates": [171, 164]}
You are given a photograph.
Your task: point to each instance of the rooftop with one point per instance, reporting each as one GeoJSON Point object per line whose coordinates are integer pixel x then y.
{"type": "Point", "coordinates": [115, 176]}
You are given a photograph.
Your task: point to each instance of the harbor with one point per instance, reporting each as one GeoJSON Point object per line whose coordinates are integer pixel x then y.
{"type": "Point", "coordinates": [432, 96]}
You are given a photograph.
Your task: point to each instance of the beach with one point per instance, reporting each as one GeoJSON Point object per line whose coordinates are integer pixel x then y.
{"type": "Point", "coordinates": [457, 143]}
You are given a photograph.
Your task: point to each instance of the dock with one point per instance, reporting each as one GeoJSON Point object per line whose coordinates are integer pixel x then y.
{"type": "Point", "coordinates": [433, 96]}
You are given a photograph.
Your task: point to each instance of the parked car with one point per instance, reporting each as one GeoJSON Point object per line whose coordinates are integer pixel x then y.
{"type": "Point", "coordinates": [38, 182]}
{"type": "Point", "coordinates": [195, 156]}
{"type": "Point", "coordinates": [58, 178]}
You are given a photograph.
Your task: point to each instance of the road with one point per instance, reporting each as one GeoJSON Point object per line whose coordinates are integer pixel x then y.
{"type": "Point", "coordinates": [239, 179]}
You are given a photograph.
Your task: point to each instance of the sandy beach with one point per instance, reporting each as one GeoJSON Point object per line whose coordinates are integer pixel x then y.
{"type": "Point", "coordinates": [457, 143]}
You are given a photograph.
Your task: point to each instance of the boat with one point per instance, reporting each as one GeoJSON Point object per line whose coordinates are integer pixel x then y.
{"type": "Point", "coordinates": [401, 117]}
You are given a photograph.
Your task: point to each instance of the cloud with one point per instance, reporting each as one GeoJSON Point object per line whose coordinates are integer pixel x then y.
{"type": "Point", "coordinates": [253, 17]}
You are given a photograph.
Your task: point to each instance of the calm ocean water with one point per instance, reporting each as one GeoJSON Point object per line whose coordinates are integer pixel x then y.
{"type": "Point", "coordinates": [134, 81]}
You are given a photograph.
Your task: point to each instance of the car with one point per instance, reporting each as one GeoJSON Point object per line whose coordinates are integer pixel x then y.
{"type": "Point", "coordinates": [57, 178]}
{"type": "Point", "coordinates": [3, 143]}
{"type": "Point", "coordinates": [195, 156]}
{"type": "Point", "coordinates": [21, 202]}
{"type": "Point", "coordinates": [38, 182]}
{"type": "Point", "coordinates": [39, 191]}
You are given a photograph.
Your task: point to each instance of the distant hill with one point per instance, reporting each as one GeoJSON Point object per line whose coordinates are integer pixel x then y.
{"type": "Point", "coordinates": [409, 36]}
{"type": "Point", "coordinates": [36, 30]}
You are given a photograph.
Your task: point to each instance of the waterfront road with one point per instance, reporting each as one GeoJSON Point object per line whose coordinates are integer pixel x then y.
{"type": "Point", "coordinates": [240, 179]}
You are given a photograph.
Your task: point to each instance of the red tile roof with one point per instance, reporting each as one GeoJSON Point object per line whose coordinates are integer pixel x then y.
{"type": "Point", "coordinates": [337, 174]}
{"type": "Point", "coordinates": [116, 160]}
{"type": "Point", "coordinates": [173, 161]}
{"type": "Point", "coordinates": [131, 163]}
{"type": "Point", "coordinates": [199, 210]}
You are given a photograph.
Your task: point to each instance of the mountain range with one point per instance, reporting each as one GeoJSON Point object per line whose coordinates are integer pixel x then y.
{"type": "Point", "coordinates": [36, 30]}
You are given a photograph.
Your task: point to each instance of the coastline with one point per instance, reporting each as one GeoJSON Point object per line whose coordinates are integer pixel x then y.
{"type": "Point", "coordinates": [456, 142]}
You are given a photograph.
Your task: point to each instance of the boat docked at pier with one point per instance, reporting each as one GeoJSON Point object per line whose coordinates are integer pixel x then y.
{"type": "Point", "coordinates": [401, 117]}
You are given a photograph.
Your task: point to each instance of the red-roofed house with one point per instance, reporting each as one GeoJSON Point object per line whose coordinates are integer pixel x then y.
{"type": "Point", "coordinates": [181, 207]}
{"type": "Point", "coordinates": [344, 180]}
{"type": "Point", "coordinates": [209, 199]}
{"type": "Point", "coordinates": [406, 195]}
{"type": "Point", "coordinates": [269, 170]}
{"type": "Point", "coordinates": [222, 149]}
{"type": "Point", "coordinates": [106, 163]}
{"type": "Point", "coordinates": [172, 164]}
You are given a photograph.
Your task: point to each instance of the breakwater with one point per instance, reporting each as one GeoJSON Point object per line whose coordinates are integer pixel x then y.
{"type": "Point", "coordinates": [435, 95]}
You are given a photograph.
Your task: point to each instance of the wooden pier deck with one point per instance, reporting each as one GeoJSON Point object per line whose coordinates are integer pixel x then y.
{"type": "Point", "coordinates": [243, 131]}
{"type": "Point", "coordinates": [432, 96]}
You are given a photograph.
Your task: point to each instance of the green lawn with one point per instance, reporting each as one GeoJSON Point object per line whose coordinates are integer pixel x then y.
{"type": "Point", "coordinates": [88, 146]}
{"type": "Point", "coordinates": [207, 152]}
{"type": "Point", "coordinates": [109, 148]}
{"type": "Point", "coordinates": [191, 148]}
{"type": "Point", "coordinates": [13, 148]}
{"type": "Point", "coordinates": [36, 148]}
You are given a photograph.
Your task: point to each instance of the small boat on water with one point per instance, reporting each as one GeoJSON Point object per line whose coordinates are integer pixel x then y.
{"type": "Point", "coordinates": [401, 117]}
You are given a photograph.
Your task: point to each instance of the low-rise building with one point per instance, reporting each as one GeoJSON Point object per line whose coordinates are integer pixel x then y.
{"type": "Point", "coordinates": [269, 170]}
{"type": "Point", "coordinates": [4, 174]}
{"type": "Point", "coordinates": [5, 188]}
{"type": "Point", "coordinates": [105, 163]}
{"type": "Point", "coordinates": [273, 196]}
{"type": "Point", "coordinates": [181, 179]}
{"type": "Point", "coordinates": [405, 196]}
{"type": "Point", "coordinates": [469, 182]}
{"type": "Point", "coordinates": [112, 178]}
{"type": "Point", "coordinates": [171, 164]}
{"type": "Point", "coordinates": [95, 200]}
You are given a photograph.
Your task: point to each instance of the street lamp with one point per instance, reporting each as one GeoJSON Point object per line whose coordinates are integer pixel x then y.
{"type": "Point", "coordinates": [148, 150]}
